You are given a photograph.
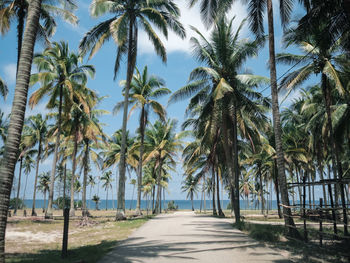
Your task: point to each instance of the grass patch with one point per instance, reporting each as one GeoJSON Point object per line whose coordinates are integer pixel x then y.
{"type": "Point", "coordinates": [276, 237]}
{"type": "Point", "coordinates": [40, 241]}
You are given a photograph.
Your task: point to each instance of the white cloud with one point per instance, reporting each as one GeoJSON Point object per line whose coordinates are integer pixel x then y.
{"type": "Point", "coordinates": [10, 73]}
{"type": "Point", "coordinates": [188, 17]}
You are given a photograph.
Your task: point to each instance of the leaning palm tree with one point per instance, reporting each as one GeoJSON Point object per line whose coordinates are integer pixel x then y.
{"type": "Point", "coordinates": [107, 183]}
{"type": "Point", "coordinates": [59, 75]}
{"type": "Point", "coordinates": [8, 162]}
{"type": "Point", "coordinates": [18, 10]}
{"type": "Point", "coordinates": [128, 16]}
{"type": "Point", "coordinates": [144, 90]}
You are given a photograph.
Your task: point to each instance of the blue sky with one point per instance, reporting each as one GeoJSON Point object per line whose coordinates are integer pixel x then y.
{"type": "Point", "coordinates": [175, 72]}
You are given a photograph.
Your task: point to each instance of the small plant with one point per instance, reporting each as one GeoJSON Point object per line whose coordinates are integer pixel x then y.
{"type": "Point", "coordinates": [172, 205]}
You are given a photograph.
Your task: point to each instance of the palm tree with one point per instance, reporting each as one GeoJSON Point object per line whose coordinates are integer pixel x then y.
{"type": "Point", "coordinates": [144, 89]}
{"type": "Point", "coordinates": [133, 183]}
{"type": "Point", "coordinates": [222, 94]}
{"type": "Point", "coordinates": [128, 15]}
{"type": "Point", "coordinates": [161, 145]}
{"type": "Point", "coordinates": [44, 184]}
{"type": "Point", "coordinates": [3, 88]}
{"type": "Point", "coordinates": [9, 160]}
{"type": "Point", "coordinates": [3, 126]}
{"type": "Point", "coordinates": [36, 135]}
{"type": "Point", "coordinates": [18, 10]}
{"type": "Point", "coordinates": [59, 74]}
{"type": "Point", "coordinates": [96, 200]}
{"type": "Point", "coordinates": [191, 187]}
{"type": "Point", "coordinates": [107, 179]}
{"type": "Point", "coordinates": [92, 183]}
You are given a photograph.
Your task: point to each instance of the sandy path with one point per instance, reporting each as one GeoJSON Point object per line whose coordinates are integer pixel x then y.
{"type": "Point", "coordinates": [186, 237]}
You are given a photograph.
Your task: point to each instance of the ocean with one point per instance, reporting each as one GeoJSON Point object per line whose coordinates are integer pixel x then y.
{"type": "Point", "coordinates": [182, 204]}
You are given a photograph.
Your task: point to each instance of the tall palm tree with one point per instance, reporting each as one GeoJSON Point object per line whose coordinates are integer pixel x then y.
{"type": "Point", "coordinates": [222, 92]}
{"type": "Point", "coordinates": [128, 16]}
{"type": "Point", "coordinates": [161, 145]}
{"type": "Point", "coordinates": [36, 135]}
{"type": "Point", "coordinates": [44, 184]}
{"type": "Point", "coordinates": [144, 90]}
{"type": "Point", "coordinates": [18, 10]}
{"type": "Point", "coordinates": [107, 183]}
{"type": "Point", "coordinates": [4, 123]}
{"type": "Point", "coordinates": [191, 187]}
{"type": "Point", "coordinates": [3, 88]}
{"type": "Point", "coordinates": [9, 160]}
{"type": "Point", "coordinates": [59, 75]}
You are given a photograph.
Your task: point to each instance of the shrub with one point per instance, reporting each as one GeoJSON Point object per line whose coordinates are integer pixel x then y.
{"type": "Point", "coordinates": [172, 206]}
{"type": "Point", "coordinates": [20, 204]}
{"type": "Point", "coordinates": [59, 204]}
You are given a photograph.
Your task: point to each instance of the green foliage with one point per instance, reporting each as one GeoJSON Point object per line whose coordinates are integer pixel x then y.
{"type": "Point", "coordinates": [268, 233]}
{"type": "Point", "coordinates": [172, 206]}
{"type": "Point", "coordinates": [20, 203]}
{"type": "Point", "coordinates": [59, 202]}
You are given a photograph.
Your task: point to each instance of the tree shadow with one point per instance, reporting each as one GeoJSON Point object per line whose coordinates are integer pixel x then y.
{"type": "Point", "coordinates": [84, 254]}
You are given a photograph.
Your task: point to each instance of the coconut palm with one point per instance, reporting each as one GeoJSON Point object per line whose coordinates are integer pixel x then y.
{"type": "Point", "coordinates": [191, 187]}
{"type": "Point", "coordinates": [161, 146]}
{"type": "Point", "coordinates": [128, 16]}
{"type": "Point", "coordinates": [18, 10]}
{"type": "Point", "coordinates": [3, 88]}
{"type": "Point", "coordinates": [36, 134]}
{"type": "Point", "coordinates": [107, 183]}
{"type": "Point", "coordinates": [59, 75]}
{"type": "Point", "coordinates": [9, 160]}
{"type": "Point", "coordinates": [3, 126]}
{"type": "Point", "coordinates": [221, 93]}
{"type": "Point", "coordinates": [133, 183]}
{"type": "Point", "coordinates": [44, 184]}
{"type": "Point", "coordinates": [144, 90]}
{"type": "Point", "coordinates": [96, 200]}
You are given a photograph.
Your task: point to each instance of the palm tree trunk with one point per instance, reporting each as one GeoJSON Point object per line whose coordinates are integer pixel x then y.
{"type": "Point", "coordinates": [153, 195]}
{"type": "Point", "coordinates": [159, 178]}
{"type": "Point", "coordinates": [328, 102]}
{"type": "Point", "coordinates": [132, 197]}
{"type": "Point", "coordinates": [107, 198]}
{"type": "Point", "coordinates": [230, 165]}
{"type": "Point", "coordinates": [36, 177]}
{"type": "Point", "coordinates": [64, 187]}
{"type": "Point", "coordinates": [139, 178]}
{"type": "Point", "coordinates": [213, 189]}
{"type": "Point", "coordinates": [204, 202]}
{"type": "Point", "coordinates": [74, 165]}
{"type": "Point", "coordinates": [44, 200]}
{"type": "Point", "coordinates": [261, 190]}
{"type": "Point", "coordinates": [18, 186]}
{"type": "Point", "coordinates": [85, 211]}
{"type": "Point", "coordinates": [49, 213]}
{"type": "Point", "coordinates": [288, 220]}
{"type": "Point", "coordinates": [9, 160]}
{"type": "Point", "coordinates": [20, 28]}
{"type": "Point", "coordinates": [218, 194]}
{"type": "Point", "coordinates": [132, 47]}
{"type": "Point", "coordinates": [192, 200]}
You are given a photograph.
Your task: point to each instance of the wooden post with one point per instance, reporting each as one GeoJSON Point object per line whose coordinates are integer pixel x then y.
{"type": "Point", "coordinates": [65, 232]}
{"type": "Point", "coordinates": [321, 215]}
{"type": "Point", "coordinates": [333, 211]}
{"type": "Point", "coordinates": [304, 210]}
